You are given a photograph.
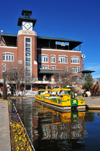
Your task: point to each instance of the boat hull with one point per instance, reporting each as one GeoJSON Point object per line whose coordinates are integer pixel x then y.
{"type": "Point", "coordinates": [61, 108]}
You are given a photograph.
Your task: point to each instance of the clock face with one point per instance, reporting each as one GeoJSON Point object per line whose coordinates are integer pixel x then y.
{"type": "Point", "coordinates": [27, 26]}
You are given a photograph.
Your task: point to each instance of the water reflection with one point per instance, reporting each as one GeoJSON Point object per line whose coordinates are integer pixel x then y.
{"type": "Point", "coordinates": [55, 125]}
{"type": "Point", "coordinates": [62, 131]}
{"type": "Point", "coordinates": [25, 110]}
{"type": "Point", "coordinates": [52, 130]}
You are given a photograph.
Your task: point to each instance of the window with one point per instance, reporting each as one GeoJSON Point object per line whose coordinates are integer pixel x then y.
{"type": "Point", "coordinates": [3, 67]}
{"type": "Point", "coordinates": [43, 58]}
{"type": "Point", "coordinates": [53, 59]}
{"type": "Point", "coordinates": [43, 67]}
{"type": "Point", "coordinates": [66, 68]}
{"type": "Point", "coordinates": [56, 86]}
{"type": "Point", "coordinates": [8, 57]}
{"type": "Point", "coordinates": [75, 69]}
{"type": "Point", "coordinates": [53, 67]}
{"type": "Point", "coordinates": [75, 60]}
{"type": "Point", "coordinates": [28, 87]}
{"type": "Point", "coordinates": [28, 57]}
{"type": "Point", "coordinates": [62, 59]}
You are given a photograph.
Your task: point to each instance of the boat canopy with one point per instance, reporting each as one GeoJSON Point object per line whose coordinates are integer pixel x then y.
{"type": "Point", "coordinates": [61, 89]}
{"type": "Point", "coordinates": [44, 90]}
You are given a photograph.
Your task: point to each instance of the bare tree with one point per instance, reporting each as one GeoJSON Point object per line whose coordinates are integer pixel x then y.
{"type": "Point", "coordinates": [66, 78]}
{"type": "Point", "coordinates": [4, 87]}
{"type": "Point", "coordinates": [17, 73]}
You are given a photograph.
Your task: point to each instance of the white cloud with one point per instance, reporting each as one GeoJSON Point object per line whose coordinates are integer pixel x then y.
{"type": "Point", "coordinates": [91, 63]}
{"type": "Point", "coordinates": [95, 68]}
{"type": "Point", "coordinates": [96, 76]}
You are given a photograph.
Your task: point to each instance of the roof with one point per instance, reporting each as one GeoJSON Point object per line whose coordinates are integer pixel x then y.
{"type": "Point", "coordinates": [21, 19]}
{"type": "Point", "coordinates": [9, 39]}
{"type": "Point", "coordinates": [87, 71]}
{"type": "Point", "coordinates": [42, 37]}
{"type": "Point", "coordinates": [9, 35]}
{"type": "Point", "coordinates": [72, 43]}
{"type": "Point", "coordinates": [59, 39]}
{"type": "Point", "coordinates": [44, 90]}
{"type": "Point", "coordinates": [63, 89]}
{"type": "Point", "coordinates": [43, 40]}
{"type": "Point", "coordinates": [26, 11]}
{"type": "Point", "coordinates": [14, 70]}
{"type": "Point", "coordinates": [49, 71]}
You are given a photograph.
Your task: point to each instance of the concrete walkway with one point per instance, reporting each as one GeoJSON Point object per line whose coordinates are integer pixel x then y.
{"type": "Point", "coordinates": [93, 102]}
{"type": "Point", "coordinates": [5, 144]}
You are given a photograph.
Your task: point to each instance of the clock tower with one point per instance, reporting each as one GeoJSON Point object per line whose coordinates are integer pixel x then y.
{"type": "Point", "coordinates": [27, 44]}
{"type": "Point", "coordinates": [26, 22]}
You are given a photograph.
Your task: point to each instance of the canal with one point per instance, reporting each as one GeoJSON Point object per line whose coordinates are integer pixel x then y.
{"type": "Point", "coordinates": [51, 130]}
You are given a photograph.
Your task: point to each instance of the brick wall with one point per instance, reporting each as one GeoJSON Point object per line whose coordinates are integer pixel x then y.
{"type": "Point", "coordinates": [56, 52]}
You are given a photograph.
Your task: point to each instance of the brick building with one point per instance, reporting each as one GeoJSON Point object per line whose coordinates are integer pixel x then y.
{"type": "Point", "coordinates": [41, 56]}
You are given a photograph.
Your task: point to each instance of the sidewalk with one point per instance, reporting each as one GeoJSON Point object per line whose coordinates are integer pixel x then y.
{"type": "Point", "coordinates": [4, 127]}
{"type": "Point", "coordinates": [92, 102]}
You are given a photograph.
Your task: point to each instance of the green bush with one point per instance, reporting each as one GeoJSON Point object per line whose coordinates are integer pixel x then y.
{"type": "Point", "coordinates": [96, 95]}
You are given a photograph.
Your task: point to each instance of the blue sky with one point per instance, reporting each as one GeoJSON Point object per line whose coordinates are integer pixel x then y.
{"type": "Point", "coordinates": [70, 19]}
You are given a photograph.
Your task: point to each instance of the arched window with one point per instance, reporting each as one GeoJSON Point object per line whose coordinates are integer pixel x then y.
{"type": "Point", "coordinates": [75, 69]}
{"type": "Point", "coordinates": [62, 59]}
{"type": "Point", "coordinates": [56, 87]}
{"type": "Point", "coordinates": [43, 58]}
{"type": "Point", "coordinates": [8, 56]}
{"type": "Point", "coordinates": [3, 67]}
{"type": "Point", "coordinates": [75, 60]}
{"type": "Point", "coordinates": [53, 59]}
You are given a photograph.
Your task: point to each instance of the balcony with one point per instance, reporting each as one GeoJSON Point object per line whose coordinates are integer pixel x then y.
{"type": "Point", "coordinates": [49, 71]}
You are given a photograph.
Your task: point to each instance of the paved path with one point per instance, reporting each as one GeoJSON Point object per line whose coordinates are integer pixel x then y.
{"type": "Point", "coordinates": [93, 102]}
{"type": "Point", "coordinates": [4, 127]}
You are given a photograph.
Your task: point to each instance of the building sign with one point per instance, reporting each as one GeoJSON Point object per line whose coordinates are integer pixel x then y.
{"type": "Point", "coordinates": [83, 64]}
{"type": "Point", "coordinates": [62, 43]}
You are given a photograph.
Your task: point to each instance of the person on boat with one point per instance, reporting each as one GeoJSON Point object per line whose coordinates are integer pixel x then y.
{"type": "Point", "coordinates": [53, 93]}
{"type": "Point", "coordinates": [61, 93]}
{"type": "Point", "coordinates": [72, 95]}
{"type": "Point", "coordinates": [66, 92]}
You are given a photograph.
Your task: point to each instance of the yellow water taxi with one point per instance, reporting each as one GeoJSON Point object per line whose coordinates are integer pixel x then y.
{"type": "Point", "coordinates": [43, 93]}
{"type": "Point", "coordinates": [61, 100]}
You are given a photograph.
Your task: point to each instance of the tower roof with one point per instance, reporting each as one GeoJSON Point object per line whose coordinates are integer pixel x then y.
{"type": "Point", "coordinates": [27, 12]}
{"type": "Point", "coordinates": [26, 17]}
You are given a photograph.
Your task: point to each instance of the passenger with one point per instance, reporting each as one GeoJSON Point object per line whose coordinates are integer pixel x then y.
{"type": "Point", "coordinates": [66, 92]}
{"type": "Point", "coordinates": [61, 93]}
{"type": "Point", "coordinates": [72, 95]}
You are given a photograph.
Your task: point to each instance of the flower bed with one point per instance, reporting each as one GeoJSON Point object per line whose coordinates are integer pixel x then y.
{"type": "Point", "coordinates": [19, 138]}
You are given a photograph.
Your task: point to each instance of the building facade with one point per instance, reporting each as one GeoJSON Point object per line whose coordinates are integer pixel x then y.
{"type": "Point", "coordinates": [41, 56]}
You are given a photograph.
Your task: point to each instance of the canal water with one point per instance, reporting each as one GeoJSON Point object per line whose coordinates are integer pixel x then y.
{"type": "Point", "coordinates": [51, 130]}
